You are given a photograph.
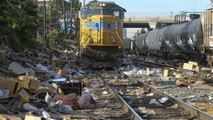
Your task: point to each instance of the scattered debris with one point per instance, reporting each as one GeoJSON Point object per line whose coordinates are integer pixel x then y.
{"type": "Point", "coordinates": [163, 99]}
{"type": "Point", "coordinates": [17, 68]}
{"type": "Point", "coordinates": [47, 85]}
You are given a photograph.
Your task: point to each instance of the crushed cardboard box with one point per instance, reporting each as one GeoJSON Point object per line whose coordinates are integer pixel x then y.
{"type": "Point", "coordinates": [8, 84]}
{"type": "Point", "coordinates": [30, 117]}
{"type": "Point", "coordinates": [193, 66]}
{"type": "Point", "coordinates": [167, 72]}
{"type": "Point", "coordinates": [25, 97]}
{"type": "Point", "coordinates": [29, 82]}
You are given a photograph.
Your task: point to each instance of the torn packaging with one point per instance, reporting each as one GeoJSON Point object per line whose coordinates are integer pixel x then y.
{"type": "Point", "coordinates": [86, 101]}
{"type": "Point", "coordinates": [8, 84]}
{"type": "Point", "coordinates": [70, 99]}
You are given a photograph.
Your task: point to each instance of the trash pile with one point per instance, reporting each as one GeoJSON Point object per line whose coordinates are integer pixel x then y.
{"type": "Point", "coordinates": [41, 84]}
{"type": "Point", "coordinates": [37, 85]}
{"type": "Point", "coordinates": [190, 82]}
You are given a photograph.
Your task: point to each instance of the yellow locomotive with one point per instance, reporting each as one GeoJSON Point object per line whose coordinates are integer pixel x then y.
{"type": "Point", "coordinates": [101, 34]}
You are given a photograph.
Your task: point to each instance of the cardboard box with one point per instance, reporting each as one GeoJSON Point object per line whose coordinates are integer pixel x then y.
{"type": "Point", "coordinates": [30, 117]}
{"type": "Point", "coordinates": [29, 82]}
{"type": "Point", "coordinates": [188, 66]}
{"type": "Point", "coordinates": [197, 68]}
{"type": "Point", "coordinates": [194, 63]}
{"type": "Point", "coordinates": [210, 109]}
{"type": "Point", "coordinates": [25, 97]}
{"type": "Point", "coordinates": [191, 66]}
{"type": "Point", "coordinates": [34, 84]}
{"type": "Point", "coordinates": [167, 72]}
{"type": "Point", "coordinates": [149, 71]}
{"type": "Point", "coordinates": [8, 84]}
{"type": "Point", "coordinates": [24, 81]}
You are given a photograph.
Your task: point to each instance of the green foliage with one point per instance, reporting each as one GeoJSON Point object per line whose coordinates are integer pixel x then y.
{"type": "Point", "coordinates": [3, 60]}
{"type": "Point", "coordinates": [20, 20]}
{"type": "Point", "coordinates": [55, 47]}
{"type": "Point", "coordinates": [57, 35]}
{"type": "Point", "coordinates": [56, 38]}
{"type": "Point", "coordinates": [18, 23]}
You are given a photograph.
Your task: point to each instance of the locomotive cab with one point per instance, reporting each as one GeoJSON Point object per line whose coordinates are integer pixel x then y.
{"type": "Point", "coordinates": [101, 34]}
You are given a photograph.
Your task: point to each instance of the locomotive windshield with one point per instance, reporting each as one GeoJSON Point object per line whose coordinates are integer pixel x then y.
{"type": "Point", "coordinates": [116, 13]}
{"type": "Point", "coordinates": [89, 12]}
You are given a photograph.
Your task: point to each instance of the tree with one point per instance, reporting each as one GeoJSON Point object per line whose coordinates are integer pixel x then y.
{"type": "Point", "coordinates": [18, 23]}
{"type": "Point", "coordinates": [62, 9]}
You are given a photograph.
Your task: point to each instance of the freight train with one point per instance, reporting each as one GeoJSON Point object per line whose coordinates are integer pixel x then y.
{"type": "Point", "coordinates": [177, 41]}
{"type": "Point", "coordinates": [101, 34]}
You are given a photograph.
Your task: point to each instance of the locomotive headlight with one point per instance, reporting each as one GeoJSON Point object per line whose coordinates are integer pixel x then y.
{"type": "Point", "coordinates": [102, 4]}
{"type": "Point", "coordinates": [113, 41]}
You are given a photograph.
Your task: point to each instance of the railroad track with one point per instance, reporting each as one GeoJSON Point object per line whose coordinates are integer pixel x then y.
{"type": "Point", "coordinates": [141, 62]}
{"type": "Point", "coordinates": [151, 103]}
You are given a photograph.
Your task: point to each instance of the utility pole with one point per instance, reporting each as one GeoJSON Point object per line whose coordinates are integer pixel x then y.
{"type": "Point", "coordinates": [65, 14]}
{"type": "Point", "coordinates": [84, 2]}
{"type": "Point", "coordinates": [71, 18]}
{"type": "Point", "coordinates": [45, 25]}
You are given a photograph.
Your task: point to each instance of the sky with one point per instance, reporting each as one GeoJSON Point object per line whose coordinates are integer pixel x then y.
{"type": "Point", "coordinates": [140, 7]}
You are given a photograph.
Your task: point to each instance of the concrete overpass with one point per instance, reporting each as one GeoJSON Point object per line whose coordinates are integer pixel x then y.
{"type": "Point", "coordinates": [151, 20]}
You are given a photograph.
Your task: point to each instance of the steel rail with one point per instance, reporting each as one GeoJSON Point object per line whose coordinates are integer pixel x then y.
{"type": "Point", "coordinates": [135, 116]}
{"type": "Point", "coordinates": [194, 111]}
{"type": "Point", "coordinates": [127, 108]}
